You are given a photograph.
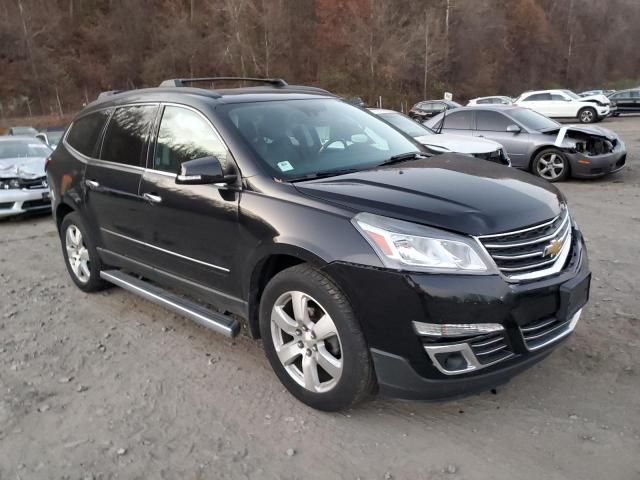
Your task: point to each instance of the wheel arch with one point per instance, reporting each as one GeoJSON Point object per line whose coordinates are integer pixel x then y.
{"type": "Point", "coordinates": [269, 264]}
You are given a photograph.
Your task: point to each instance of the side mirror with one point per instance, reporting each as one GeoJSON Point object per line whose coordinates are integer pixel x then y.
{"type": "Point", "coordinates": [514, 129]}
{"type": "Point", "coordinates": [203, 171]}
{"type": "Point", "coordinates": [42, 137]}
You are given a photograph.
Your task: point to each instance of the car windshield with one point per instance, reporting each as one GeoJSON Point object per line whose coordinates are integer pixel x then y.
{"type": "Point", "coordinates": [24, 131]}
{"type": "Point", "coordinates": [23, 149]}
{"type": "Point", "coordinates": [533, 120]}
{"type": "Point", "coordinates": [571, 94]}
{"type": "Point", "coordinates": [406, 124]}
{"type": "Point", "coordinates": [302, 138]}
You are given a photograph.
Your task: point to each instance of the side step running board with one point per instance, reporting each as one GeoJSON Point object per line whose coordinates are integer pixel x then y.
{"type": "Point", "coordinates": [207, 318]}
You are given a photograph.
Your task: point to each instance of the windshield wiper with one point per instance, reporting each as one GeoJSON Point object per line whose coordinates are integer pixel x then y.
{"type": "Point", "coordinates": [403, 157]}
{"type": "Point", "coordinates": [326, 174]}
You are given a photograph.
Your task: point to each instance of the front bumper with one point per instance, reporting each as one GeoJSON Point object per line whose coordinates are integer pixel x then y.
{"type": "Point", "coordinates": [18, 201]}
{"type": "Point", "coordinates": [387, 303]}
{"type": "Point", "coordinates": [588, 166]}
{"type": "Point", "coordinates": [603, 111]}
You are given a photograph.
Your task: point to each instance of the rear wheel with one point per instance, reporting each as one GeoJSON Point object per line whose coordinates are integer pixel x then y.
{"type": "Point", "coordinates": [313, 341]}
{"type": "Point", "coordinates": [80, 255]}
{"type": "Point", "coordinates": [551, 165]}
{"type": "Point", "coordinates": [587, 115]}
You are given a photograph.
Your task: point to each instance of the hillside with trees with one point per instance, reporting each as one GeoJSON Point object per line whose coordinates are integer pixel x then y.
{"type": "Point", "coordinates": [56, 55]}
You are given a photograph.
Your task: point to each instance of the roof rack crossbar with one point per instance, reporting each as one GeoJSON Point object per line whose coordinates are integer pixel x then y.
{"type": "Point", "coordinates": [183, 82]}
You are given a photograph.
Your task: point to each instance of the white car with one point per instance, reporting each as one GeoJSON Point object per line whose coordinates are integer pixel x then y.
{"type": "Point", "coordinates": [566, 104]}
{"type": "Point", "coordinates": [23, 181]}
{"type": "Point", "coordinates": [494, 100]}
{"type": "Point", "coordinates": [439, 143]}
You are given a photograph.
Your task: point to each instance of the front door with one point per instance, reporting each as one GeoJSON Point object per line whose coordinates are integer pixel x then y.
{"type": "Point", "coordinates": [493, 126]}
{"type": "Point", "coordinates": [112, 182]}
{"type": "Point", "coordinates": [190, 230]}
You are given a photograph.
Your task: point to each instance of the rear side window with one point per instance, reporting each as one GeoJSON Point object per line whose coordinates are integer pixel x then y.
{"type": "Point", "coordinates": [537, 97]}
{"type": "Point", "coordinates": [492, 121]}
{"type": "Point", "coordinates": [184, 135]}
{"type": "Point", "coordinates": [458, 120]}
{"type": "Point", "coordinates": [85, 132]}
{"type": "Point", "coordinates": [127, 135]}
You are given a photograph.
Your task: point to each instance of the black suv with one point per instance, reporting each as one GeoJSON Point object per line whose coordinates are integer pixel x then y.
{"type": "Point", "coordinates": [362, 263]}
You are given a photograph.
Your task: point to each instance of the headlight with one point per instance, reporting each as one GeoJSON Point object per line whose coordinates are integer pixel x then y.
{"type": "Point", "coordinates": [408, 246]}
{"type": "Point", "coordinates": [7, 184]}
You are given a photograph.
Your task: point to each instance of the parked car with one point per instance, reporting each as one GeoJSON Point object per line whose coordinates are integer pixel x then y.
{"type": "Point", "coordinates": [23, 183]}
{"type": "Point", "coordinates": [539, 144]}
{"type": "Point", "coordinates": [495, 100]}
{"type": "Point", "coordinates": [429, 108]}
{"type": "Point", "coordinates": [444, 143]}
{"type": "Point", "coordinates": [24, 131]}
{"type": "Point", "coordinates": [566, 104]}
{"type": "Point", "coordinates": [51, 136]}
{"type": "Point", "coordinates": [625, 101]}
{"type": "Point", "coordinates": [363, 265]}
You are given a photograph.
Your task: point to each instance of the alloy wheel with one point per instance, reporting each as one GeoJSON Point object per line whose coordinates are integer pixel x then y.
{"type": "Point", "coordinates": [306, 341]}
{"type": "Point", "coordinates": [586, 116]}
{"type": "Point", "coordinates": [77, 254]}
{"type": "Point", "coordinates": [550, 166]}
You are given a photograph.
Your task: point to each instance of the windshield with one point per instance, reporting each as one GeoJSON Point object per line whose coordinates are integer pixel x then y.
{"type": "Point", "coordinates": [571, 94]}
{"type": "Point", "coordinates": [532, 120]}
{"type": "Point", "coordinates": [406, 124]}
{"type": "Point", "coordinates": [300, 138]}
{"type": "Point", "coordinates": [24, 131]}
{"type": "Point", "coordinates": [23, 149]}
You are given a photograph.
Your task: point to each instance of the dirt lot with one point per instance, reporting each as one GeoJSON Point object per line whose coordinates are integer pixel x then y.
{"type": "Point", "coordinates": [110, 386]}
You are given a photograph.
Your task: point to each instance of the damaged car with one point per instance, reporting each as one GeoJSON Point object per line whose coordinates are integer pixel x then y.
{"type": "Point", "coordinates": [23, 181]}
{"type": "Point", "coordinates": [438, 143]}
{"type": "Point", "coordinates": [538, 144]}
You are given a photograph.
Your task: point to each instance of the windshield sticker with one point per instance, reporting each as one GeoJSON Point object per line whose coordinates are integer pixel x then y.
{"type": "Point", "coordinates": [285, 166]}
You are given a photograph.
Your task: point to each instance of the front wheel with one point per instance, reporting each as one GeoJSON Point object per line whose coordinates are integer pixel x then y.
{"type": "Point", "coordinates": [587, 115]}
{"type": "Point", "coordinates": [551, 165]}
{"type": "Point", "coordinates": [313, 340]}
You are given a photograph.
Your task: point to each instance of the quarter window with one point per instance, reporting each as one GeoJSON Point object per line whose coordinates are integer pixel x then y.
{"type": "Point", "coordinates": [492, 121]}
{"type": "Point", "coordinates": [127, 134]}
{"type": "Point", "coordinates": [184, 135]}
{"type": "Point", "coordinates": [85, 132]}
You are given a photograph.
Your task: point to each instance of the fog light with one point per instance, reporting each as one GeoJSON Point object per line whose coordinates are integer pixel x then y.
{"type": "Point", "coordinates": [455, 330]}
{"type": "Point", "coordinates": [452, 362]}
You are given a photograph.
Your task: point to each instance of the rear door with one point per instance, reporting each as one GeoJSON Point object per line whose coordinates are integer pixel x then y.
{"type": "Point", "coordinates": [493, 125]}
{"type": "Point", "coordinates": [113, 180]}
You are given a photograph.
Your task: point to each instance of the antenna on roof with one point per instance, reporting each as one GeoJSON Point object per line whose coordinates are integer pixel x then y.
{"type": "Point", "coordinates": [183, 82]}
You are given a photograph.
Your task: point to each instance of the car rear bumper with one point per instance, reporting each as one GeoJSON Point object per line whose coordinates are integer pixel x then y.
{"type": "Point", "coordinates": [534, 317]}
{"type": "Point", "coordinates": [14, 201]}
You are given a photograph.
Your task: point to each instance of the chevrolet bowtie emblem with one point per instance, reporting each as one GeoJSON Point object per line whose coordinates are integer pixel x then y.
{"type": "Point", "coordinates": [553, 248]}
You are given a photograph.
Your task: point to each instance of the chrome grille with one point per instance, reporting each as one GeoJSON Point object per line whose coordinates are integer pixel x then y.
{"type": "Point", "coordinates": [491, 348]}
{"type": "Point", "coordinates": [529, 253]}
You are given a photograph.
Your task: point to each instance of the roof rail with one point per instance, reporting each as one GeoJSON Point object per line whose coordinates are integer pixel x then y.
{"type": "Point", "coordinates": [183, 82]}
{"type": "Point", "coordinates": [108, 93]}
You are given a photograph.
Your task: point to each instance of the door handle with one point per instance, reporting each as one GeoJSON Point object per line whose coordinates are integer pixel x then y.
{"type": "Point", "coordinates": [149, 197]}
{"type": "Point", "coordinates": [92, 184]}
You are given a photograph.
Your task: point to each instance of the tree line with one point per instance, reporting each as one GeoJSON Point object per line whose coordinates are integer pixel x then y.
{"type": "Point", "coordinates": [56, 55]}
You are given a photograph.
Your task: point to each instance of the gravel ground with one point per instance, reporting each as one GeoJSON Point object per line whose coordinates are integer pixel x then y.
{"type": "Point", "coordinates": [110, 386]}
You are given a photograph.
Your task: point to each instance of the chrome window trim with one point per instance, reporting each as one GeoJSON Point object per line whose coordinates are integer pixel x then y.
{"type": "Point", "coordinates": [164, 250]}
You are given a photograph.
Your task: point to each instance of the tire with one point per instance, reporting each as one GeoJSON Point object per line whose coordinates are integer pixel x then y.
{"type": "Point", "coordinates": [325, 334]}
{"type": "Point", "coordinates": [587, 115]}
{"type": "Point", "coordinates": [543, 165]}
{"type": "Point", "coordinates": [85, 266]}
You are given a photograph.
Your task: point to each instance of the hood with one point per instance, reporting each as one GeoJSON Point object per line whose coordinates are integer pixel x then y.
{"type": "Point", "coordinates": [460, 143]}
{"type": "Point", "coordinates": [596, 98]}
{"type": "Point", "coordinates": [562, 131]}
{"type": "Point", "coordinates": [28, 168]}
{"type": "Point", "coordinates": [449, 191]}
